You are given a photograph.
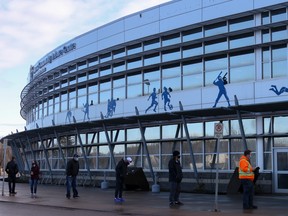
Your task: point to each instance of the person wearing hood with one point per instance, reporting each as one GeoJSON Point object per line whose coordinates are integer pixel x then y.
{"type": "Point", "coordinates": [72, 171]}
{"type": "Point", "coordinates": [175, 178]}
{"type": "Point", "coordinates": [121, 172]}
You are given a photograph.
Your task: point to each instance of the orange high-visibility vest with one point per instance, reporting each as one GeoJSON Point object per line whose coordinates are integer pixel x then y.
{"type": "Point", "coordinates": [245, 169]}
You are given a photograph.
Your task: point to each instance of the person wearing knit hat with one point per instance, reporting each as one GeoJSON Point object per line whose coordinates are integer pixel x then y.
{"type": "Point", "coordinates": [175, 178]}
{"type": "Point", "coordinates": [121, 172]}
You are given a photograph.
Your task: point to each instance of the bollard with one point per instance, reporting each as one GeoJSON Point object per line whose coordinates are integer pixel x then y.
{"type": "Point", "coordinates": [155, 186]}
{"type": "Point", "coordinates": [104, 184]}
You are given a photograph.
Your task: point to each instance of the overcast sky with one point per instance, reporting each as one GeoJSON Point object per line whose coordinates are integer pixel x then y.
{"type": "Point", "coordinates": [29, 29]}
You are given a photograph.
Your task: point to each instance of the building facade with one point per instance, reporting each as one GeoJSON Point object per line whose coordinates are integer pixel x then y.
{"type": "Point", "coordinates": [158, 80]}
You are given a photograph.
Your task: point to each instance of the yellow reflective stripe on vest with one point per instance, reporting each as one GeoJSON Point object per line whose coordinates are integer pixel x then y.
{"type": "Point", "coordinates": [248, 173]}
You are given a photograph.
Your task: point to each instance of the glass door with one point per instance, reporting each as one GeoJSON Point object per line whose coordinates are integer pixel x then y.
{"type": "Point", "coordinates": [281, 170]}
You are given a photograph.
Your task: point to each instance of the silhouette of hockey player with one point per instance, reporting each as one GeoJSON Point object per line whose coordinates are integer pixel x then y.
{"type": "Point", "coordinates": [86, 111]}
{"type": "Point", "coordinates": [154, 102]}
{"type": "Point", "coordinates": [220, 82]}
{"type": "Point", "coordinates": [166, 97]}
{"type": "Point", "coordinates": [111, 107]}
{"type": "Point", "coordinates": [275, 90]}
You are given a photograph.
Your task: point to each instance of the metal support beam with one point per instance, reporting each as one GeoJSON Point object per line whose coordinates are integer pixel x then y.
{"type": "Point", "coordinates": [31, 148]}
{"type": "Point", "coordinates": [18, 156]}
{"type": "Point", "coordinates": [145, 146]}
{"type": "Point", "coordinates": [111, 149]}
{"type": "Point", "coordinates": [24, 154]}
{"type": "Point", "coordinates": [241, 124]}
{"type": "Point", "coordinates": [84, 153]}
{"type": "Point", "coordinates": [190, 144]}
{"type": "Point", "coordinates": [59, 147]}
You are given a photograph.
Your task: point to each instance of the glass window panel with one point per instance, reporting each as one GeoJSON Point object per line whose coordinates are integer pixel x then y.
{"type": "Point", "coordinates": [281, 142]}
{"type": "Point", "coordinates": [241, 23]}
{"type": "Point", "coordinates": [279, 52]}
{"type": "Point", "coordinates": [133, 134]}
{"type": "Point", "coordinates": [242, 41]}
{"type": "Point", "coordinates": [267, 144]}
{"type": "Point", "coordinates": [266, 36]}
{"type": "Point", "coordinates": [82, 90]}
{"type": "Point", "coordinates": [171, 55]}
{"type": "Point", "coordinates": [279, 33]}
{"type": "Point", "coordinates": [191, 51]}
{"type": "Point", "coordinates": [279, 69]}
{"type": "Point", "coordinates": [280, 124]}
{"type": "Point", "coordinates": [134, 79]}
{"type": "Point", "coordinates": [92, 74]}
{"type": "Point", "coordinates": [171, 71]}
{"type": "Point", "coordinates": [134, 90]}
{"type": "Point", "coordinates": [249, 126]}
{"type": "Point", "coordinates": [119, 53]}
{"type": "Point", "coordinates": [169, 131]}
{"type": "Point", "coordinates": [118, 67]}
{"type": "Point", "coordinates": [72, 93]}
{"type": "Point", "coordinates": [82, 77]}
{"type": "Point", "coordinates": [216, 64]}
{"type": "Point", "coordinates": [152, 75]}
{"type": "Point", "coordinates": [215, 46]}
{"type": "Point", "coordinates": [119, 150]}
{"type": "Point", "coordinates": [267, 161]}
{"type": "Point", "coordinates": [134, 63]}
{"type": "Point", "coordinates": [105, 57]}
{"type": "Point", "coordinates": [105, 71]}
{"type": "Point", "coordinates": [72, 103]}
{"type": "Point", "coordinates": [195, 129]}
{"type": "Point", "coordinates": [192, 81]}
{"type": "Point", "coordinates": [72, 81]}
{"type": "Point", "coordinates": [104, 96]}
{"type": "Point", "coordinates": [172, 83]}
{"type": "Point", "coordinates": [132, 149]}
{"type": "Point", "coordinates": [187, 162]}
{"type": "Point", "coordinates": [118, 82]}
{"type": "Point", "coordinates": [241, 74]}
{"type": "Point", "coordinates": [234, 158]}
{"type": "Point", "coordinates": [93, 87]}
{"type": "Point", "coordinates": [82, 65]}
{"type": "Point", "coordinates": [215, 29]}
{"type": "Point", "coordinates": [192, 34]}
{"type": "Point", "coordinates": [194, 67]}
{"type": "Point", "coordinates": [265, 18]}
{"type": "Point", "coordinates": [82, 101]}
{"type": "Point", "coordinates": [134, 49]}
{"type": "Point", "coordinates": [105, 85]}
{"type": "Point", "coordinates": [278, 15]}
{"type": "Point", "coordinates": [267, 125]}
{"type": "Point", "coordinates": [152, 44]}
{"type": "Point", "coordinates": [119, 93]}
{"type": "Point", "coordinates": [171, 39]}
{"type": "Point", "coordinates": [152, 132]}
{"type": "Point", "coordinates": [118, 136]}
{"type": "Point", "coordinates": [209, 128]}
{"type": "Point", "coordinates": [242, 59]}
{"type": "Point", "coordinates": [92, 61]}
{"type": "Point", "coordinates": [152, 59]}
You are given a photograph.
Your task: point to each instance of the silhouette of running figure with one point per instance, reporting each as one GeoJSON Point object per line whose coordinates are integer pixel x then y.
{"type": "Point", "coordinates": [68, 116]}
{"type": "Point", "coordinates": [86, 111]}
{"type": "Point", "coordinates": [275, 90]}
{"type": "Point", "coordinates": [153, 97]}
{"type": "Point", "coordinates": [166, 97]}
{"type": "Point", "coordinates": [220, 82]}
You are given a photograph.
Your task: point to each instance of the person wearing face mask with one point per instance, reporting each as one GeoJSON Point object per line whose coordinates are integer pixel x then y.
{"type": "Point", "coordinates": [34, 177]}
{"type": "Point", "coordinates": [246, 176]}
{"type": "Point", "coordinates": [121, 172]}
{"type": "Point", "coordinates": [175, 178]}
{"type": "Point", "coordinates": [72, 170]}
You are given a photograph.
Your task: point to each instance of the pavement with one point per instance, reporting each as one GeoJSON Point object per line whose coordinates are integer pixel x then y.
{"type": "Point", "coordinates": [101, 202]}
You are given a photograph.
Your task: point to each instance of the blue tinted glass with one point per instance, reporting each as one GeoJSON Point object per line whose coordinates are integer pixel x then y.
{"type": "Point", "coordinates": [171, 56]}
{"type": "Point", "coordinates": [242, 42]}
{"type": "Point", "coordinates": [151, 60]}
{"type": "Point", "coordinates": [217, 46]}
{"type": "Point", "coordinates": [240, 74]}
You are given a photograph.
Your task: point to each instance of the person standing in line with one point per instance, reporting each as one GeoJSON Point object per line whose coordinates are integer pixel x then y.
{"type": "Point", "coordinates": [34, 177]}
{"type": "Point", "coordinates": [121, 172]}
{"type": "Point", "coordinates": [175, 178]}
{"type": "Point", "coordinates": [72, 171]}
{"type": "Point", "coordinates": [12, 170]}
{"type": "Point", "coordinates": [246, 176]}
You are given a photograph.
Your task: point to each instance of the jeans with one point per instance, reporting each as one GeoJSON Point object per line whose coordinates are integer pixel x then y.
{"type": "Point", "coordinates": [33, 185]}
{"type": "Point", "coordinates": [11, 184]}
{"type": "Point", "coordinates": [119, 187]}
{"type": "Point", "coordinates": [71, 182]}
{"type": "Point", "coordinates": [248, 192]}
{"type": "Point", "coordinates": [174, 191]}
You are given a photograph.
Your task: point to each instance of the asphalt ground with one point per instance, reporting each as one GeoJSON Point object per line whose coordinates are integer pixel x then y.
{"type": "Point", "coordinates": [51, 200]}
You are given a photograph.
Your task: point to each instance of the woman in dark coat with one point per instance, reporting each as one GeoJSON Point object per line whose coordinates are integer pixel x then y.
{"type": "Point", "coordinates": [34, 177]}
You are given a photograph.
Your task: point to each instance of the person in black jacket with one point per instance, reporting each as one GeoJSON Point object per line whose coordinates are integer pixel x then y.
{"type": "Point", "coordinates": [34, 177]}
{"type": "Point", "coordinates": [121, 172]}
{"type": "Point", "coordinates": [175, 178]}
{"type": "Point", "coordinates": [72, 170]}
{"type": "Point", "coordinates": [12, 170]}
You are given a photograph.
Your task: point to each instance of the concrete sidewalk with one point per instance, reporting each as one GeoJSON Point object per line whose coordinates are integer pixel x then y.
{"type": "Point", "coordinates": [145, 203]}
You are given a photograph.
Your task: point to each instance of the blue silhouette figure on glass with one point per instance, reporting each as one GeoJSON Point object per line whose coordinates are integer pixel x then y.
{"type": "Point", "coordinates": [275, 89]}
{"type": "Point", "coordinates": [220, 82]}
{"type": "Point", "coordinates": [68, 116]}
{"type": "Point", "coordinates": [111, 107]}
{"type": "Point", "coordinates": [166, 97]}
{"type": "Point", "coordinates": [86, 111]}
{"type": "Point", "coordinates": [154, 102]}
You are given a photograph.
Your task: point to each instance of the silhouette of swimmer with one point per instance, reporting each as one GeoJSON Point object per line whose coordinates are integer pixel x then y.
{"type": "Point", "coordinates": [166, 97]}
{"type": "Point", "coordinates": [154, 103]}
{"type": "Point", "coordinates": [220, 82]}
{"type": "Point", "coordinates": [275, 90]}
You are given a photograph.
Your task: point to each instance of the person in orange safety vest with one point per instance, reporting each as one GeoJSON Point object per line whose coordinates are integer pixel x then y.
{"type": "Point", "coordinates": [246, 176]}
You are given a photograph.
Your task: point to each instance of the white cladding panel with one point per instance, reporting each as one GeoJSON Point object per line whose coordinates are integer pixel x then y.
{"type": "Point", "coordinates": [143, 31]}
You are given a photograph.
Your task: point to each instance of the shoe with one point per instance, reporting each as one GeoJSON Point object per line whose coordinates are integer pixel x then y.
{"type": "Point", "coordinates": [253, 207]}
{"type": "Point", "coordinates": [76, 196]}
{"type": "Point", "coordinates": [117, 200]}
{"type": "Point", "coordinates": [68, 196]}
{"type": "Point", "coordinates": [14, 193]}
{"type": "Point", "coordinates": [121, 199]}
{"type": "Point", "coordinates": [171, 204]}
{"type": "Point", "coordinates": [178, 203]}
{"type": "Point", "coordinates": [32, 195]}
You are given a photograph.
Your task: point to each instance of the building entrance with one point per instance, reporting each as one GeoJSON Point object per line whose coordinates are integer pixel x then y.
{"type": "Point", "coordinates": [281, 170]}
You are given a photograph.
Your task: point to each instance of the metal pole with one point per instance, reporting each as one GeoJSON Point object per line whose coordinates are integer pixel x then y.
{"type": "Point", "coordinates": [217, 179]}
{"type": "Point", "coordinates": [4, 160]}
